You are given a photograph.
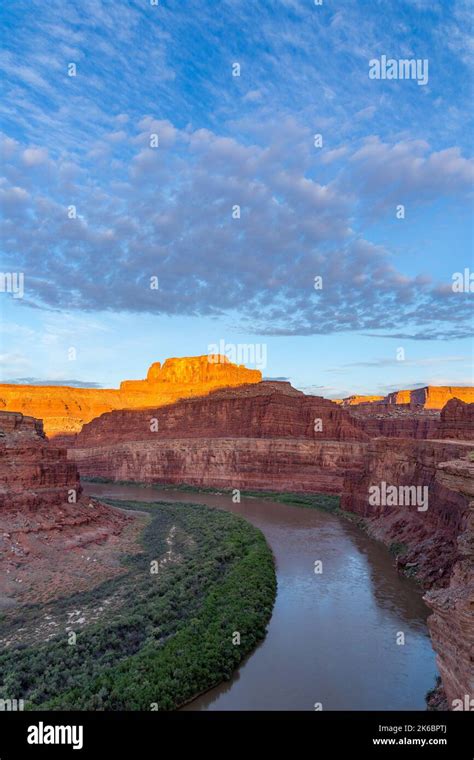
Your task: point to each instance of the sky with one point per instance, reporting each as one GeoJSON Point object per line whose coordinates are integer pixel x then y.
{"type": "Point", "coordinates": [177, 175]}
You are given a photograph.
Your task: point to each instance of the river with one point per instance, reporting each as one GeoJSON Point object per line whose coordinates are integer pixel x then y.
{"type": "Point", "coordinates": [332, 638]}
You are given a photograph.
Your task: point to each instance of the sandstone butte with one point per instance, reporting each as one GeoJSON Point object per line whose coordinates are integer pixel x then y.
{"type": "Point", "coordinates": [65, 410]}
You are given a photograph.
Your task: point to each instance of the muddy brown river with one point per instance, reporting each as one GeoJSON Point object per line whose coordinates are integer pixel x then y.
{"type": "Point", "coordinates": [335, 636]}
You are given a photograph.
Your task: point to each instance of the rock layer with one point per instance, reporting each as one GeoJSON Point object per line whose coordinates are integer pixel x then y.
{"type": "Point", "coordinates": [396, 421]}
{"type": "Point", "coordinates": [275, 464]}
{"type": "Point", "coordinates": [263, 410]}
{"type": "Point", "coordinates": [255, 436]}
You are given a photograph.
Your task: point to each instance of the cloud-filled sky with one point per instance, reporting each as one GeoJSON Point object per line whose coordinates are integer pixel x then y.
{"type": "Point", "coordinates": [129, 173]}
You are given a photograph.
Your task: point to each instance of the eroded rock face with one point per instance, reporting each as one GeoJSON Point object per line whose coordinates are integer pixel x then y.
{"type": "Point", "coordinates": [264, 410]}
{"type": "Point", "coordinates": [396, 421]}
{"type": "Point", "coordinates": [275, 464]}
{"type": "Point", "coordinates": [457, 421]}
{"type": "Point", "coordinates": [435, 545]}
{"type": "Point", "coordinates": [452, 622]}
{"type": "Point", "coordinates": [33, 473]}
{"type": "Point", "coordinates": [267, 436]}
{"type": "Point", "coordinates": [64, 410]}
{"type": "Point", "coordinates": [51, 537]}
{"type": "Point", "coordinates": [425, 539]}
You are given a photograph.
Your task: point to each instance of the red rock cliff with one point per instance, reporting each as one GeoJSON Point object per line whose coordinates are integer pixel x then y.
{"type": "Point", "coordinates": [396, 421]}
{"type": "Point", "coordinates": [45, 523]}
{"type": "Point", "coordinates": [431, 396]}
{"type": "Point", "coordinates": [452, 622]}
{"type": "Point", "coordinates": [428, 397]}
{"type": "Point", "coordinates": [436, 545]}
{"type": "Point", "coordinates": [266, 436]}
{"type": "Point", "coordinates": [428, 538]}
{"type": "Point", "coordinates": [457, 421]}
{"type": "Point", "coordinates": [264, 410]}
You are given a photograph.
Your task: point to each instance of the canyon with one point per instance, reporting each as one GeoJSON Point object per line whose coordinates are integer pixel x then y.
{"type": "Point", "coordinates": [212, 425]}
{"type": "Point", "coordinates": [269, 436]}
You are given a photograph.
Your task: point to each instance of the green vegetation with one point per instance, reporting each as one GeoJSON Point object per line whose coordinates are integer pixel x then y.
{"type": "Point", "coordinates": [329, 502]}
{"type": "Point", "coordinates": [398, 548]}
{"type": "Point", "coordinates": [160, 638]}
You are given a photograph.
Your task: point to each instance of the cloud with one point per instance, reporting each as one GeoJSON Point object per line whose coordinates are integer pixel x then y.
{"type": "Point", "coordinates": [407, 171]}
{"type": "Point", "coordinates": [447, 333]}
{"type": "Point", "coordinates": [40, 381]}
{"type": "Point", "coordinates": [169, 212]}
{"type": "Point", "coordinates": [84, 142]}
{"type": "Point", "coordinates": [253, 96]}
{"type": "Point", "coordinates": [34, 156]}
{"type": "Point", "coordinates": [394, 362]}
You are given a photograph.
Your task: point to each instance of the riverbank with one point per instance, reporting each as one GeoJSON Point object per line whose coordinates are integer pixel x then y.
{"type": "Point", "coordinates": [328, 502]}
{"type": "Point", "coordinates": [332, 637]}
{"type": "Point", "coordinates": [183, 615]}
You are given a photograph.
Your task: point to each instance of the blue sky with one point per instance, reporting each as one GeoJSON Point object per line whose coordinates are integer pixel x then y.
{"type": "Point", "coordinates": [305, 211]}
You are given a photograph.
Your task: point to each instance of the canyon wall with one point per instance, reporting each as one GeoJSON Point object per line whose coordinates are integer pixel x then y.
{"type": "Point", "coordinates": [435, 544]}
{"type": "Point", "coordinates": [263, 410]}
{"type": "Point", "coordinates": [275, 464]}
{"type": "Point", "coordinates": [50, 535]}
{"type": "Point", "coordinates": [64, 410]}
{"type": "Point", "coordinates": [452, 622]}
{"type": "Point", "coordinates": [426, 538]}
{"type": "Point", "coordinates": [457, 421]}
{"type": "Point", "coordinates": [428, 397]}
{"type": "Point", "coordinates": [267, 436]}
